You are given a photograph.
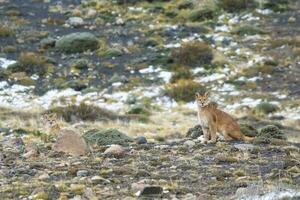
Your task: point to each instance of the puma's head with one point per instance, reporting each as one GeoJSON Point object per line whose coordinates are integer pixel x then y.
{"type": "Point", "coordinates": [202, 99]}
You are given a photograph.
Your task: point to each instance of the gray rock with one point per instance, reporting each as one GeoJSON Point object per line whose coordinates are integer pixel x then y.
{"type": "Point", "coordinates": [75, 21]}
{"type": "Point", "coordinates": [189, 143]}
{"type": "Point", "coordinates": [99, 179]}
{"type": "Point", "coordinates": [194, 132]}
{"type": "Point", "coordinates": [115, 151]}
{"type": "Point", "coordinates": [82, 173]}
{"type": "Point", "coordinates": [77, 42]}
{"type": "Point", "coordinates": [141, 140]}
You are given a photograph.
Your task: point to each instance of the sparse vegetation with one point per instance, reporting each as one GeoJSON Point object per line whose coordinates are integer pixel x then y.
{"type": "Point", "coordinates": [83, 112]}
{"type": "Point", "coordinates": [193, 54]}
{"type": "Point", "coordinates": [265, 108]}
{"type": "Point", "coordinates": [183, 90]}
{"type": "Point", "coordinates": [248, 29]}
{"type": "Point", "coordinates": [236, 5]}
{"type": "Point", "coordinates": [30, 63]}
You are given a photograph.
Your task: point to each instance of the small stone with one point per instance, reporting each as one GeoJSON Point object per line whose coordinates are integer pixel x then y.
{"type": "Point", "coordinates": [44, 177]}
{"type": "Point", "coordinates": [91, 13]}
{"type": "Point", "coordinates": [99, 179]}
{"type": "Point", "coordinates": [189, 196]}
{"type": "Point", "coordinates": [120, 21]}
{"type": "Point", "coordinates": [141, 140]}
{"type": "Point", "coordinates": [189, 143]}
{"type": "Point", "coordinates": [82, 173]}
{"type": "Point", "coordinates": [292, 19]}
{"type": "Point", "coordinates": [71, 143]}
{"type": "Point", "coordinates": [47, 43]}
{"type": "Point", "coordinates": [115, 151]}
{"type": "Point", "coordinates": [75, 21]}
{"type": "Point", "coordinates": [31, 154]}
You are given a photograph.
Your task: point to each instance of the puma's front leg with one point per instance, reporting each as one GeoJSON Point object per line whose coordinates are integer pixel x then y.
{"type": "Point", "coordinates": [206, 134]}
{"type": "Point", "coordinates": [213, 133]}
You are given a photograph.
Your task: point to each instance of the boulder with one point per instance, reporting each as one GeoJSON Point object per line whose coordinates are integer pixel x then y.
{"type": "Point", "coordinates": [77, 42]}
{"type": "Point", "coordinates": [71, 143]}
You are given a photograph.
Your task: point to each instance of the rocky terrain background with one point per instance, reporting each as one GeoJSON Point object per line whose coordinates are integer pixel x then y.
{"type": "Point", "coordinates": [121, 76]}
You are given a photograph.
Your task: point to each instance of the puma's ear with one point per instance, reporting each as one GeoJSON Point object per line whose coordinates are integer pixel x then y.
{"type": "Point", "coordinates": [206, 94]}
{"type": "Point", "coordinates": [197, 95]}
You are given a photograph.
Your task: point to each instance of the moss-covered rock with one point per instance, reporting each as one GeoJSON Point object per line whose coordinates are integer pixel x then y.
{"type": "Point", "coordinates": [195, 132]}
{"type": "Point", "coordinates": [268, 134]}
{"type": "Point", "coordinates": [193, 54]}
{"type": "Point", "coordinates": [77, 42]}
{"type": "Point", "coordinates": [265, 108]}
{"type": "Point", "coordinates": [107, 137]}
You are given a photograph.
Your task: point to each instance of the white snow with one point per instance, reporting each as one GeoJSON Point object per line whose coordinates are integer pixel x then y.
{"type": "Point", "coordinates": [4, 63]}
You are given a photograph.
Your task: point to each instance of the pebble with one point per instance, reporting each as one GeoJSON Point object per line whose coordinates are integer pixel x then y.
{"type": "Point", "coordinates": [82, 173]}
{"type": "Point", "coordinates": [189, 143]}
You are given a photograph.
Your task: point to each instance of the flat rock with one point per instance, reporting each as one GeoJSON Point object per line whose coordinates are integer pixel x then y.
{"type": "Point", "coordinates": [71, 143]}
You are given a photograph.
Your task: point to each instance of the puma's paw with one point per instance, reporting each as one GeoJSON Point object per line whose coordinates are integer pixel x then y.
{"type": "Point", "coordinates": [212, 141]}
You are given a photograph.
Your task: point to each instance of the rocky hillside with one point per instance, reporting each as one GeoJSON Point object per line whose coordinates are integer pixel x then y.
{"type": "Point", "coordinates": [125, 72]}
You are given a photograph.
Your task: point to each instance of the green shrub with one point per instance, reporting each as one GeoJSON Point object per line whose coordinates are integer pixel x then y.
{"type": "Point", "coordinates": [193, 54]}
{"type": "Point", "coordinates": [183, 90]}
{"type": "Point", "coordinates": [269, 133]}
{"type": "Point", "coordinates": [265, 108]}
{"type": "Point", "coordinates": [83, 112]}
{"type": "Point", "coordinates": [5, 31]}
{"type": "Point", "coordinates": [181, 73]}
{"type": "Point", "coordinates": [278, 5]}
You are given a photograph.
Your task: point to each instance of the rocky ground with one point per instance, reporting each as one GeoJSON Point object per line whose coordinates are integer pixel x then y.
{"type": "Point", "coordinates": [134, 66]}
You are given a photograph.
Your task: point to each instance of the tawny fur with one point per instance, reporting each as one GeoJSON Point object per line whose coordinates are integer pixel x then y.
{"type": "Point", "coordinates": [213, 120]}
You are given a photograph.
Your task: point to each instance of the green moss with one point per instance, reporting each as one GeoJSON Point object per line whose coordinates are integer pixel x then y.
{"type": "Point", "coordinates": [83, 112]}
{"type": "Point", "coordinates": [183, 90]}
{"type": "Point", "coordinates": [248, 29]}
{"type": "Point", "coordinates": [265, 108]}
{"type": "Point", "coordinates": [193, 54]}
{"type": "Point", "coordinates": [107, 137]}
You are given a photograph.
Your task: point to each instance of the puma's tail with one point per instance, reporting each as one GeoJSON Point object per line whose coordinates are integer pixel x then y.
{"type": "Point", "coordinates": [247, 139]}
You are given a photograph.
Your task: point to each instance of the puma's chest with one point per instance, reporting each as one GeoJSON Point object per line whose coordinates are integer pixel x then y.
{"type": "Point", "coordinates": [203, 119]}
